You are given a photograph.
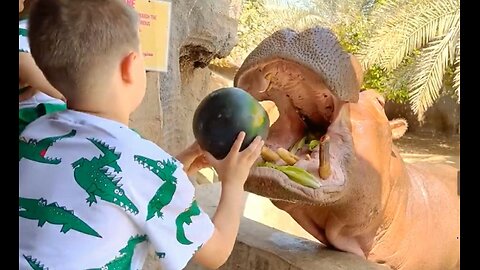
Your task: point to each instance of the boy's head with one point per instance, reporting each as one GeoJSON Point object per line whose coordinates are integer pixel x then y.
{"type": "Point", "coordinates": [89, 50]}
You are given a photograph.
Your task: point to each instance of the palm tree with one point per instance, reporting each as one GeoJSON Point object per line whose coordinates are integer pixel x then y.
{"type": "Point", "coordinates": [327, 13]}
{"type": "Point", "coordinates": [418, 39]}
{"type": "Point", "coordinates": [430, 27]}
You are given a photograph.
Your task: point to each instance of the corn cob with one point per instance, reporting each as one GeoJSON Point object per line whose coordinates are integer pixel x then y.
{"type": "Point", "coordinates": [269, 155]}
{"type": "Point", "coordinates": [286, 156]}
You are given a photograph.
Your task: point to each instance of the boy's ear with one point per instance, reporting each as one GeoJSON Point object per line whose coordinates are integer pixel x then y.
{"type": "Point", "coordinates": [127, 67]}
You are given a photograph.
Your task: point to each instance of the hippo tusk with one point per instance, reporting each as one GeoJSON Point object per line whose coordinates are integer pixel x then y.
{"type": "Point", "coordinates": [324, 170]}
{"type": "Point", "coordinates": [286, 156]}
{"type": "Point", "coordinates": [269, 155]}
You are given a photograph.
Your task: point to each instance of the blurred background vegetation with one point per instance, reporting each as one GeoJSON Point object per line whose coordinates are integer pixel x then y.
{"type": "Point", "coordinates": [409, 49]}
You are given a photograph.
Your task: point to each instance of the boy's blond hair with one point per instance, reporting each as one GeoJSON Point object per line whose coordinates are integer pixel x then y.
{"type": "Point", "coordinates": [78, 43]}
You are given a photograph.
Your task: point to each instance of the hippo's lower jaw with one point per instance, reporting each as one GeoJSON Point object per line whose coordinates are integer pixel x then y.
{"type": "Point", "coordinates": [304, 111]}
{"type": "Point", "coordinates": [275, 185]}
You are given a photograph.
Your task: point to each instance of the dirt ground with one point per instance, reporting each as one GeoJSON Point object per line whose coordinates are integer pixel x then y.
{"type": "Point", "coordinates": [430, 147]}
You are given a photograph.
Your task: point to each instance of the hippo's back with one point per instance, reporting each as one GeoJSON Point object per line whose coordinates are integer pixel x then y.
{"type": "Point", "coordinates": [436, 185]}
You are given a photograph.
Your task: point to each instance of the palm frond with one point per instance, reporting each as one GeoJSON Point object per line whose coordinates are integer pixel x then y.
{"type": "Point", "coordinates": [298, 18]}
{"type": "Point", "coordinates": [311, 20]}
{"type": "Point", "coordinates": [368, 6]}
{"type": "Point", "coordinates": [409, 28]}
{"type": "Point", "coordinates": [428, 79]}
{"type": "Point", "coordinates": [327, 13]}
{"type": "Point", "coordinates": [384, 15]}
{"type": "Point", "coordinates": [456, 72]}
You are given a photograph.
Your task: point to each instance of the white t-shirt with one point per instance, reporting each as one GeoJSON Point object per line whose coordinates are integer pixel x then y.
{"type": "Point", "coordinates": [23, 36]}
{"type": "Point", "coordinates": [94, 194]}
{"type": "Point", "coordinates": [37, 99]}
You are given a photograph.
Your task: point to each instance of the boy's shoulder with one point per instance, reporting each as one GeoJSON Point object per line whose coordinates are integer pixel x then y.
{"type": "Point", "coordinates": [23, 24]}
{"type": "Point", "coordinates": [94, 130]}
{"type": "Point", "coordinates": [40, 98]}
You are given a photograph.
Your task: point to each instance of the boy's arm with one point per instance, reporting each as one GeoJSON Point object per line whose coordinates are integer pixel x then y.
{"type": "Point", "coordinates": [30, 73]}
{"type": "Point", "coordinates": [233, 171]}
{"type": "Point", "coordinates": [218, 248]}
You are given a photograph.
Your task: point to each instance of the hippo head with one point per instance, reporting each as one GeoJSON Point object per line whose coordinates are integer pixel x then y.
{"type": "Point", "coordinates": [354, 193]}
{"type": "Point", "coordinates": [315, 86]}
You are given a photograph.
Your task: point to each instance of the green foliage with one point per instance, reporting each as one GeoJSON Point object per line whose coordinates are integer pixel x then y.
{"type": "Point", "coordinates": [431, 29]}
{"type": "Point", "coordinates": [255, 24]}
{"type": "Point", "coordinates": [394, 39]}
{"type": "Point", "coordinates": [383, 81]}
{"type": "Point", "coordinates": [352, 36]}
{"type": "Point", "coordinates": [349, 20]}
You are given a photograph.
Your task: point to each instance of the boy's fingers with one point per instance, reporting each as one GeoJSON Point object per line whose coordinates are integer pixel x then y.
{"type": "Point", "coordinates": [210, 159]}
{"type": "Point", "coordinates": [238, 143]}
{"type": "Point", "coordinates": [256, 151]}
{"type": "Point", "coordinates": [196, 147]}
{"type": "Point", "coordinates": [253, 145]}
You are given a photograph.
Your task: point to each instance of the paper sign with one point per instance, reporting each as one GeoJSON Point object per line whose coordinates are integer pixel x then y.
{"type": "Point", "coordinates": [154, 18]}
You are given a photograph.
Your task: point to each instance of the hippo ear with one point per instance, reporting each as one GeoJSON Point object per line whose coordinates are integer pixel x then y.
{"type": "Point", "coordinates": [399, 127]}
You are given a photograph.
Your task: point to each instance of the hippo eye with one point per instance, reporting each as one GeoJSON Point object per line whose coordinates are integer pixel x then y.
{"type": "Point", "coordinates": [116, 191]}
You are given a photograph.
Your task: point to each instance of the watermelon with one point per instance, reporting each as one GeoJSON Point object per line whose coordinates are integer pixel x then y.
{"type": "Point", "coordinates": [223, 114]}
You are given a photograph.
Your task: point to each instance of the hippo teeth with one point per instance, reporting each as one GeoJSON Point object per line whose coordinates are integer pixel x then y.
{"type": "Point", "coordinates": [324, 170]}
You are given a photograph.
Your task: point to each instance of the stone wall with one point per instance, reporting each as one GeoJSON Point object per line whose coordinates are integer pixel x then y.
{"type": "Point", "coordinates": [442, 118]}
{"type": "Point", "coordinates": [165, 116]}
{"type": "Point", "coordinates": [261, 247]}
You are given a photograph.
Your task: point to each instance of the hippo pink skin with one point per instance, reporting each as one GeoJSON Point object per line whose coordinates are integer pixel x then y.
{"type": "Point", "coordinates": [373, 204]}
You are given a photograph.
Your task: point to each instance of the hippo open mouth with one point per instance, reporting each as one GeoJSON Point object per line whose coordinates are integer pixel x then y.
{"type": "Point", "coordinates": [309, 77]}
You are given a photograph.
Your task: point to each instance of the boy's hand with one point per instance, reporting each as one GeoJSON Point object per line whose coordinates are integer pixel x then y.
{"type": "Point", "coordinates": [235, 167]}
{"type": "Point", "coordinates": [192, 159]}
{"type": "Point", "coordinates": [55, 94]}
{"type": "Point", "coordinates": [29, 73]}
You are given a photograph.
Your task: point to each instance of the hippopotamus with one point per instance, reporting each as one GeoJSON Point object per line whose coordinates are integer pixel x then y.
{"type": "Point", "coordinates": [365, 200]}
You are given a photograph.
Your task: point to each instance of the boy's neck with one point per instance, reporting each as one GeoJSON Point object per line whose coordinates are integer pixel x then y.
{"type": "Point", "coordinates": [107, 111]}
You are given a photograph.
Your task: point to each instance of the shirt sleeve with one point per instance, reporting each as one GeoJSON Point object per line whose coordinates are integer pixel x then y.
{"type": "Point", "coordinates": [168, 212]}
{"type": "Point", "coordinates": [23, 37]}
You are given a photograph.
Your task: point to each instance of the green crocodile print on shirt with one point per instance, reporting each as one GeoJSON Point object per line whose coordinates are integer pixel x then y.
{"type": "Point", "coordinates": [38, 209]}
{"type": "Point", "coordinates": [163, 196]}
{"type": "Point", "coordinates": [36, 150]}
{"type": "Point", "coordinates": [186, 218]}
{"type": "Point", "coordinates": [124, 260]}
{"type": "Point", "coordinates": [34, 263]}
{"type": "Point", "coordinates": [93, 177]}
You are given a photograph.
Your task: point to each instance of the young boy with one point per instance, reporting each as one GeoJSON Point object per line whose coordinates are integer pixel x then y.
{"type": "Point", "coordinates": [32, 102]}
{"type": "Point", "coordinates": [93, 193]}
